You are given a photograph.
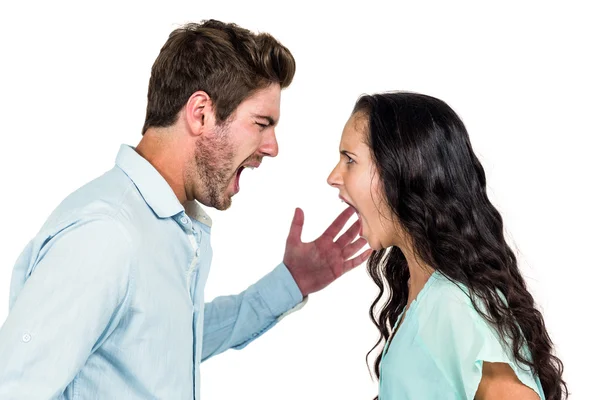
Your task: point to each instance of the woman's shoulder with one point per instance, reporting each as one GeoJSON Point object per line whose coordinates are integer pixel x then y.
{"type": "Point", "coordinates": [448, 308]}
{"type": "Point", "coordinates": [459, 339]}
{"type": "Point", "coordinates": [447, 299]}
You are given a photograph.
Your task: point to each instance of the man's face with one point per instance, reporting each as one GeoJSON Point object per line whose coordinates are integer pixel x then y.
{"type": "Point", "coordinates": [242, 141]}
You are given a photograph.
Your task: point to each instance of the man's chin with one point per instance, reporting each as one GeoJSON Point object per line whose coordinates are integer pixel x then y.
{"type": "Point", "coordinates": [224, 203]}
{"type": "Point", "coordinates": [220, 203]}
{"type": "Point", "coordinates": [223, 206]}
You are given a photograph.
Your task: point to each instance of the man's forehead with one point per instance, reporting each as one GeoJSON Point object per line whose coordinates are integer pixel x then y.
{"type": "Point", "coordinates": [263, 103]}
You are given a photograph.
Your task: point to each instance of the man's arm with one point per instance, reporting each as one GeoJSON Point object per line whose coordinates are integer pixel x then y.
{"type": "Point", "coordinates": [235, 321]}
{"type": "Point", "coordinates": [73, 299]}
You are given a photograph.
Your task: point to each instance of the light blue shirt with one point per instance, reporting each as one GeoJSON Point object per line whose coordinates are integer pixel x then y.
{"type": "Point", "coordinates": [107, 301]}
{"type": "Point", "coordinates": [439, 349]}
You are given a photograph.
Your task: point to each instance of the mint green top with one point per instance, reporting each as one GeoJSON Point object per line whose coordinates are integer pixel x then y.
{"type": "Point", "coordinates": [439, 349]}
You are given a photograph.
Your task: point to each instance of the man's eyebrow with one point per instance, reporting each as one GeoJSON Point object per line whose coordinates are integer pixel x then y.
{"type": "Point", "coordinates": [268, 118]}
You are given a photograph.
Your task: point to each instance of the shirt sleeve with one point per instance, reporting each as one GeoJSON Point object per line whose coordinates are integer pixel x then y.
{"type": "Point", "coordinates": [235, 321]}
{"type": "Point", "coordinates": [75, 290]}
{"type": "Point", "coordinates": [459, 340]}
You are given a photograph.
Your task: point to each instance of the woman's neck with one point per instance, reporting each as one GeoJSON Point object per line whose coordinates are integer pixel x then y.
{"type": "Point", "coordinates": [419, 273]}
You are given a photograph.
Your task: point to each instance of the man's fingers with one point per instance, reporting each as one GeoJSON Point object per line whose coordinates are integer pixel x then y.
{"type": "Point", "coordinates": [296, 228]}
{"type": "Point", "coordinates": [352, 248]}
{"type": "Point", "coordinates": [356, 261]}
{"type": "Point", "coordinates": [349, 235]}
{"type": "Point", "coordinates": [338, 223]}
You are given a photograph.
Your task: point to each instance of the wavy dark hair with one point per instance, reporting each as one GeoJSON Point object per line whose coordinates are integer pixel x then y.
{"type": "Point", "coordinates": [436, 188]}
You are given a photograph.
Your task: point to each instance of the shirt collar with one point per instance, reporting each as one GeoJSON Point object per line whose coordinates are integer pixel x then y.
{"type": "Point", "coordinates": [154, 188]}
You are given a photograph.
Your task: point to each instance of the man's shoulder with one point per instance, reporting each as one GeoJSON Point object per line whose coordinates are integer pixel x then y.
{"type": "Point", "coordinates": [108, 197]}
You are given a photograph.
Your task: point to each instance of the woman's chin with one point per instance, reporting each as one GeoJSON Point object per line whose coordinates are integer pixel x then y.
{"type": "Point", "coordinates": [374, 243]}
{"type": "Point", "coordinates": [371, 242]}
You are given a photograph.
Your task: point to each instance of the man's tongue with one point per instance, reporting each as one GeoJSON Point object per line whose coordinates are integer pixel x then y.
{"type": "Point", "coordinates": [236, 187]}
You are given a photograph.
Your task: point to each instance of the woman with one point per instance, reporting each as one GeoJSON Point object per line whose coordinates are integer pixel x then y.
{"type": "Point", "coordinates": [458, 322]}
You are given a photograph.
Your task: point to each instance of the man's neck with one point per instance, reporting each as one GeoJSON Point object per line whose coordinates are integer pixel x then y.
{"type": "Point", "coordinates": [163, 155]}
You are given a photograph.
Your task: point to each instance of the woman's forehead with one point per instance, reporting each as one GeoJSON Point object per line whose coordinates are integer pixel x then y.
{"type": "Point", "coordinates": [355, 130]}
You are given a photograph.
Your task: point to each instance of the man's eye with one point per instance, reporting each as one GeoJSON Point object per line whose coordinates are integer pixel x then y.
{"type": "Point", "coordinates": [262, 126]}
{"type": "Point", "coordinates": [350, 160]}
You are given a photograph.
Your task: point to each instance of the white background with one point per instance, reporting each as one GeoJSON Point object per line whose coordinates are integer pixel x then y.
{"type": "Point", "coordinates": [523, 76]}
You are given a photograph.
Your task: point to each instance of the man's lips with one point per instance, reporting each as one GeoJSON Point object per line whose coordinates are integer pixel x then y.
{"type": "Point", "coordinates": [251, 165]}
{"type": "Point", "coordinates": [238, 173]}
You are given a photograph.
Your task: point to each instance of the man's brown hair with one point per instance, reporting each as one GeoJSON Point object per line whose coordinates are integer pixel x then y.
{"type": "Point", "coordinates": [226, 61]}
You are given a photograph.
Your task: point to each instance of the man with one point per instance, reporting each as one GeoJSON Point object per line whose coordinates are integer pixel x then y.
{"type": "Point", "coordinates": [107, 301]}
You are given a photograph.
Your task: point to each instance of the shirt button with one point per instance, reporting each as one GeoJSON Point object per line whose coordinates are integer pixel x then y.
{"type": "Point", "coordinates": [204, 217]}
{"type": "Point", "coordinates": [254, 335]}
{"type": "Point", "coordinates": [26, 338]}
{"type": "Point", "coordinates": [184, 220]}
{"type": "Point", "coordinates": [198, 253]}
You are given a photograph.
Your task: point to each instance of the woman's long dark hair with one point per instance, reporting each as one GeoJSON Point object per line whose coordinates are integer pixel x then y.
{"type": "Point", "coordinates": [436, 187]}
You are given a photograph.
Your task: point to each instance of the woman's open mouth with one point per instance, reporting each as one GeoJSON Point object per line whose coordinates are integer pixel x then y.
{"type": "Point", "coordinates": [357, 214]}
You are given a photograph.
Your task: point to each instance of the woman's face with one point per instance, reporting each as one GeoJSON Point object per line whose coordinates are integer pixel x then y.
{"type": "Point", "coordinates": [356, 177]}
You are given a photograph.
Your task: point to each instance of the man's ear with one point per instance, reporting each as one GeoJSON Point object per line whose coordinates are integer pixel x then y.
{"type": "Point", "coordinates": [199, 113]}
